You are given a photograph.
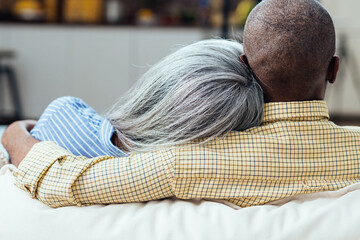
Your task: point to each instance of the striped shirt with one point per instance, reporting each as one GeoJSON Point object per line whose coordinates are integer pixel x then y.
{"type": "Point", "coordinates": [296, 150]}
{"type": "Point", "coordinates": [75, 126]}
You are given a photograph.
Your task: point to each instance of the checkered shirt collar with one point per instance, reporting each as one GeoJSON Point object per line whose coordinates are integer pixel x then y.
{"type": "Point", "coordinates": [295, 111]}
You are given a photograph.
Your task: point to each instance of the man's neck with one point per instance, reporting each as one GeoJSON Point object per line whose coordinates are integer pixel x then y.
{"type": "Point", "coordinates": [285, 95]}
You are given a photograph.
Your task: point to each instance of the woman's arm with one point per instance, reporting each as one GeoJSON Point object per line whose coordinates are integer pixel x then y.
{"type": "Point", "coordinates": [17, 140]}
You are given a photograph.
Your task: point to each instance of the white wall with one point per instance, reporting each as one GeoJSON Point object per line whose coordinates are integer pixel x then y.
{"type": "Point", "coordinates": [344, 96]}
{"type": "Point", "coordinates": [96, 64]}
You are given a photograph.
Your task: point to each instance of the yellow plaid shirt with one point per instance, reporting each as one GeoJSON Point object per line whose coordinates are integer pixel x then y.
{"type": "Point", "coordinates": [295, 150]}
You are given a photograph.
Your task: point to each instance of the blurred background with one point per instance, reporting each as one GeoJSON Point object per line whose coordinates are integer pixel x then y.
{"type": "Point", "coordinates": [96, 49]}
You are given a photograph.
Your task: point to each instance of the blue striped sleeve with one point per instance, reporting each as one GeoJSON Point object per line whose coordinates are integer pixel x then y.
{"type": "Point", "coordinates": [75, 126]}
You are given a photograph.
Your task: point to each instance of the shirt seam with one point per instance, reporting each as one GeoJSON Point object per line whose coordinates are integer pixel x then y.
{"type": "Point", "coordinates": [169, 170]}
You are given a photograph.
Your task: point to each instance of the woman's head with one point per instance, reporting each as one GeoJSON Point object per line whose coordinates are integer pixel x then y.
{"type": "Point", "coordinates": [200, 91]}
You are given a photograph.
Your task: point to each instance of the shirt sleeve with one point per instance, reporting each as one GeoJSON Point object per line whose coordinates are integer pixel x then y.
{"type": "Point", "coordinates": [57, 178]}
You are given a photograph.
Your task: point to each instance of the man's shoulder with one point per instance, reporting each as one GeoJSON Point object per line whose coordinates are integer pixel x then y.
{"type": "Point", "coordinates": [268, 141]}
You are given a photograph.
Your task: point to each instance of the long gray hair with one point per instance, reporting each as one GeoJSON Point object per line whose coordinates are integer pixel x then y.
{"type": "Point", "coordinates": [198, 92]}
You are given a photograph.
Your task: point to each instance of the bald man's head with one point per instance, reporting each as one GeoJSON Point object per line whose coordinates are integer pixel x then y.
{"type": "Point", "coordinates": [289, 44]}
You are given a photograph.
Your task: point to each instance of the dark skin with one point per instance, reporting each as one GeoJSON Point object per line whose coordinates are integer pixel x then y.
{"type": "Point", "coordinates": [116, 141]}
{"type": "Point", "coordinates": [279, 94]}
{"type": "Point", "coordinates": [290, 46]}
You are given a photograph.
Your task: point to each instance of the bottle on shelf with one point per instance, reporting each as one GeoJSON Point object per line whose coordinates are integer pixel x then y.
{"type": "Point", "coordinates": [242, 11]}
{"type": "Point", "coordinates": [204, 12]}
{"type": "Point", "coordinates": [51, 12]}
{"type": "Point", "coordinates": [216, 13]}
{"type": "Point", "coordinates": [114, 11]}
{"type": "Point", "coordinates": [85, 11]}
{"type": "Point", "coordinates": [29, 10]}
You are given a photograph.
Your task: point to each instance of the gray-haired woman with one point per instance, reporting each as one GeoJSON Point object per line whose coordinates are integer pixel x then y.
{"type": "Point", "coordinates": [199, 92]}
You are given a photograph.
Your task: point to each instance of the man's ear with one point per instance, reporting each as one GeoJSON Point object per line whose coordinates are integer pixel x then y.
{"type": "Point", "coordinates": [333, 69]}
{"type": "Point", "coordinates": [244, 60]}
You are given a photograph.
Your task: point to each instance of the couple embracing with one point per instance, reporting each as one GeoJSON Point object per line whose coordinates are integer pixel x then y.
{"type": "Point", "coordinates": [215, 120]}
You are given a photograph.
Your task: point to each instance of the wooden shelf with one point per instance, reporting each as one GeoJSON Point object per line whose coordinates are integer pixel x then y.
{"type": "Point", "coordinates": [86, 25]}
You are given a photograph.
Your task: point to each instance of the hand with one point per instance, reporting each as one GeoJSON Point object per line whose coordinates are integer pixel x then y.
{"type": "Point", "coordinates": [17, 140]}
